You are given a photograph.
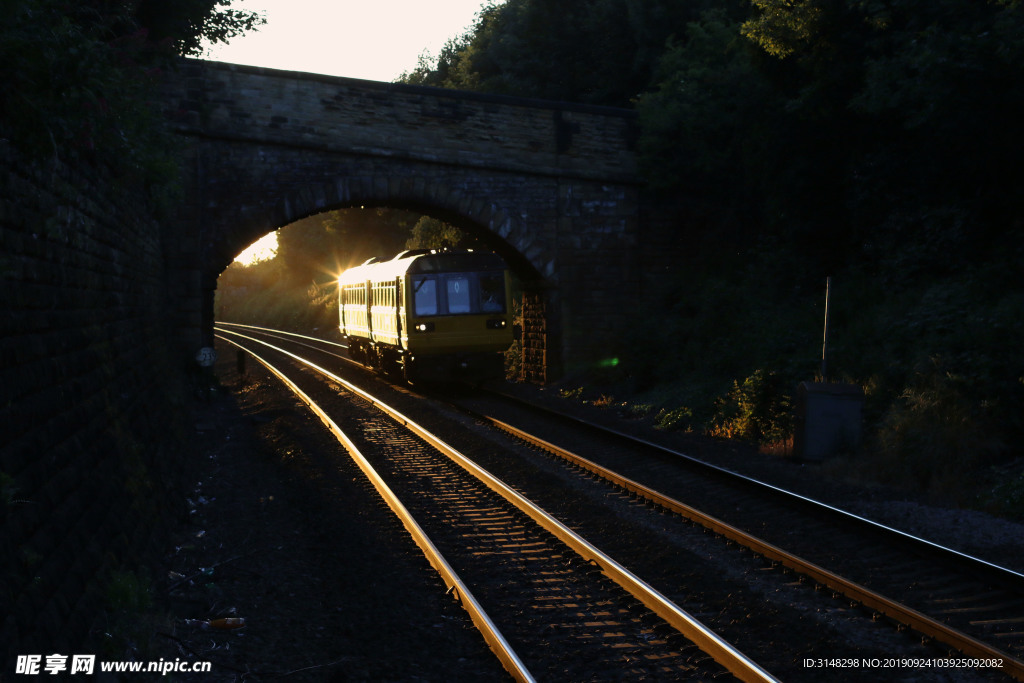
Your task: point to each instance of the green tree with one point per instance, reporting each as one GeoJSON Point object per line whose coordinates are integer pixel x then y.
{"type": "Point", "coordinates": [595, 51]}
{"type": "Point", "coordinates": [783, 27]}
{"type": "Point", "coordinates": [710, 110]}
{"type": "Point", "coordinates": [79, 76]}
{"type": "Point", "coordinates": [889, 122]}
{"type": "Point", "coordinates": [431, 233]}
{"type": "Point", "coordinates": [187, 23]}
{"type": "Point", "coordinates": [944, 81]}
{"type": "Point", "coordinates": [317, 248]}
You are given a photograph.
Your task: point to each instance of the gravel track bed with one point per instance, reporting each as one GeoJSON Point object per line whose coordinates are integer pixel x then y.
{"type": "Point", "coordinates": [328, 579]}
{"type": "Point", "coordinates": [766, 612]}
{"type": "Point", "coordinates": [331, 586]}
{"type": "Point", "coordinates": [997, 540]}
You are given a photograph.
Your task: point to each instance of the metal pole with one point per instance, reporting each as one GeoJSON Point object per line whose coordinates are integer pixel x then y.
{"type": "Point", "coordinates": [824, 344]}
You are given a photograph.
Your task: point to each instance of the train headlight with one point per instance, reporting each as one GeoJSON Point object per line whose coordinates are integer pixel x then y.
{"type": "Point", "coordinates": [497, 324]}
{"type": "Point", "coordinates": [423, 327]}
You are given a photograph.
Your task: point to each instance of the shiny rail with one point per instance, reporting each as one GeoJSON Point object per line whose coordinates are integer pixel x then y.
{"type": "Point", "coordinates": [492, 635]}
{"type": "Point", "coordinates": [692, 629]}
{"type": "Point", "coordinates": [879, 603]}
{"type": "Point", "coordinates": [291, 336]}
{"type": "Point", "coordinates": [993, 572]}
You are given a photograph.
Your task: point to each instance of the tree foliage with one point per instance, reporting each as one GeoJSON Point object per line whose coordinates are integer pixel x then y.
{"type": "Point", "coordinates": [884, 120]}
{"type": "Point", "coordinates": [321, 246]}
{"type": "Point", "coordinates": [187, 23]}
{"type": "Point", "coordinates": [782, 27]}
{"type": "Point", "coordinates": [872, 140]}
{"type": "Point", "coordinates": [431, 233]}
{"type": "Point", "coordinates": [595, 51]}
{"type": "Point", "coordinates": [79, 74]}
{"type": "Point", "coordinates": [880, 119]}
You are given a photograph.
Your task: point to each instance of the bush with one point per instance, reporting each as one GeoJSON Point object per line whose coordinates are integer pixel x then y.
{"type": "Point", "coordinates": [637, 410]}
{"type": "Point", "coordinates": [677, 419]}
{"type": "Point", "coordinates": [937, 432]}
{"type": "Point", "coordinates": [575, 394]}
{"type": "Point", "coordinates": [758, 409]}
{"type": "Point", "coordinates": [514, 353]}
{"type": "Point", "coordinates": [514, 361]}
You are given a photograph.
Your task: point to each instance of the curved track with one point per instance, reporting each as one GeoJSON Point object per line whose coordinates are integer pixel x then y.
{"type": "Point", "coordinates": [529, 570]}
{"type": "Point", "coordinates": [970, 606]}
{"type": "Point", "coordinates": [966, 603]}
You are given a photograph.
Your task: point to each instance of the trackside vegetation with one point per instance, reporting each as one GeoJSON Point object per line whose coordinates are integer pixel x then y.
{"type": "Point", "coordinates": [79, 79]}
{"type": "Point", "coordinates": [870, 141]}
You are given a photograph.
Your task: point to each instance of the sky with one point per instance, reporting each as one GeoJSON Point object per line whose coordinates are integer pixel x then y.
{"type": "Point", "coordinates": [376, 40]}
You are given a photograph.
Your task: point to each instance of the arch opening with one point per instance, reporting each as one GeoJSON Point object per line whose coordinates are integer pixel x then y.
{"type": "Point", "coordinates": [296, 288]}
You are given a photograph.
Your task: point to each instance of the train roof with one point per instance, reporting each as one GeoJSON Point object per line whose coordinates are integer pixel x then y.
{"type": "Point", "coordinates": [422, 261]}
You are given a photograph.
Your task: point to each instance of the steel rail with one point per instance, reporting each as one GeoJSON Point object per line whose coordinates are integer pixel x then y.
{"type": "Point", "coordinates": [492, 635]}
{"type": "Point", "coordinates": [278, 333]}
{"type": "Point", "coordinates": [995, 572]}
{"type": "Point", "coordinates": [854, 591]}
{"type": "Point", "coordinates": [722, 651]}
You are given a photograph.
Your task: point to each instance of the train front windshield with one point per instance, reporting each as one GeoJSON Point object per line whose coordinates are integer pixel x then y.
{"type": "Point", "coordinates": [458, 293]}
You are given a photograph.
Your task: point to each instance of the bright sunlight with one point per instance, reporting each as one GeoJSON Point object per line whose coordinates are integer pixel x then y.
{"type": "Point", "coordinates": [263, 249]}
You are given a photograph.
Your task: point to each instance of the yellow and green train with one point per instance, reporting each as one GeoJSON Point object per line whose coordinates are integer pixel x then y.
{"type": "Point", "coordinates": [428, 315]}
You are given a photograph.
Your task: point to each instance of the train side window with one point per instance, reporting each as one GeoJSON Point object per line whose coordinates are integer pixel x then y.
{"type": "Point", "coordinates": [458, 295]}
{"type": "Point", "coordinates": [425, 291]}
{"type": "Point", "coordinates": [492, 293]}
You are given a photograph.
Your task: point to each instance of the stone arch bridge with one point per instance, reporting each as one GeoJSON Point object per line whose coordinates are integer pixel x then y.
{"type": "Point", "coordinates": [552, 186]}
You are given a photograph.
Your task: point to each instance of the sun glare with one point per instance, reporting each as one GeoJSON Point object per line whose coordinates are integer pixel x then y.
{"type": "Point", "coordinates": [263, 249]}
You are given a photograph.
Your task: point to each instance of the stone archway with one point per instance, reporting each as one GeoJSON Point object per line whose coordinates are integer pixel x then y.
{"type": "Point", "coordinates": [504, 229]}
{"type": "Point", "coordinates": [554, 183]}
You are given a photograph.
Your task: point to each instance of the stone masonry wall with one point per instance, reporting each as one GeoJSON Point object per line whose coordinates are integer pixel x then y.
{"type": "Point", "coordinates": [88, 406]}
{"type": "Point", "coordinates": [467, 129]}
{"type": "Point", "coordinates": [553, 183]}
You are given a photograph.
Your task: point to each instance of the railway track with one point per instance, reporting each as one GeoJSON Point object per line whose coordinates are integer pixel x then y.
{"type": "Point", "coordinates": [969, 610]}
{"type": "Point", "coordinates": [531, 585]}
{"type": "Point", "coordinates": [970, 605]}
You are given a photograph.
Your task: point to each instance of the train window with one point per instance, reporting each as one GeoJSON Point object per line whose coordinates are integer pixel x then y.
{"type": "Point", "coordinates": [425, 290]}
{"type": "Point", "coordinates": [492, 293]}
{"type": "Point", "coordinates": [458, 294]}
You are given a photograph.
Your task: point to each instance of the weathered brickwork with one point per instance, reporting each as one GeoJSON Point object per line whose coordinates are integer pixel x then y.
{"type": "Point", "coordinates": [87, 427]}
{"type": "Point", "coordinates": [552, 185]}
{"type": "Point", "coordinates": [535, 362]}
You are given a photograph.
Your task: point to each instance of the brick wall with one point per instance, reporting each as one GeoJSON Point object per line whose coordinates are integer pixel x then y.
{"type": "Point", "coordinates": [88, 404]}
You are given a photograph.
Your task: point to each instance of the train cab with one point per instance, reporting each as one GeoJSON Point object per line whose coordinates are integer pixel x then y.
{"type": "Point", "coordinates": [429, 314]}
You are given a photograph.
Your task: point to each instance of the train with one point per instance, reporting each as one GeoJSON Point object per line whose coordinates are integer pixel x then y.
{"type": "Point", "coordinates": [428, 315]}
